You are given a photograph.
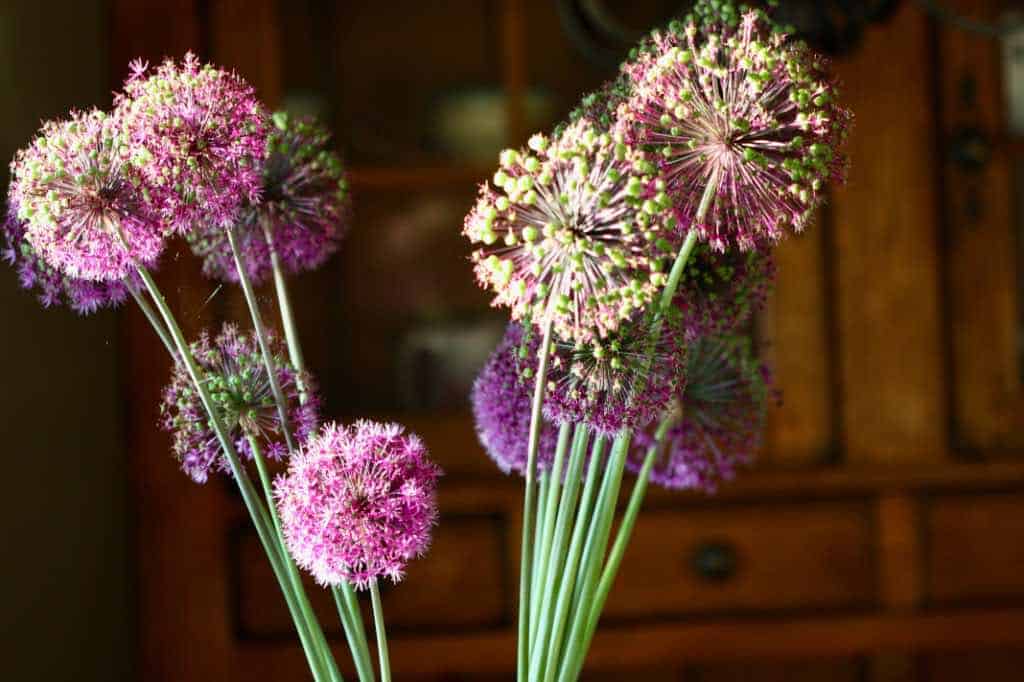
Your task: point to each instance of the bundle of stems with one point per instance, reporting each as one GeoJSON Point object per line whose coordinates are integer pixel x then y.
{"type": "Point", "coordinates": [261, 506]}
{"type": "Point", "coordinates": [567, 568]}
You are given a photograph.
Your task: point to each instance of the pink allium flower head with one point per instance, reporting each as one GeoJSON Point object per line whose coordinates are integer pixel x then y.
{"type": "Point", "coordinates": [501, 399]}
{"type": "Point", "coordinates": [84, 209]}
{"type": "Point", "coordinates": [719, 291]}
{"type": "Point", "coordinates": [720, 418]}
{"type": "Point", "coordinates": [305, 204]}
{"type": "Point", "coordinates": [616, 382]}
{"type": "Point", "coordinates": [744, 109]}
{"type": "Point", "coordinates": [240, 388]}
{"type": "Point", "coordinates": [358, 503]}
{"type": "Point", "coordinates": [53, 287]}
{"type": "Point", "coordinates": [198, 135]}
{"type": "Point", "coordinates": [573, 230]}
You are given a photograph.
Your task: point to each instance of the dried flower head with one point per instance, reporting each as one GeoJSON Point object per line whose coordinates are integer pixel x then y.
{"type": "Point", "coordinates": [53, 287]}
{"type": "Point", "coordinates": [198, 136]}
{"type": "Point", "coordinates": [573, 231]}
{"type": "Point", "coordinates": [358, 503]}
{"type": "Point", "coordinates": [719, 291]}
{"type": "Point", "coordinates": [84, 209]}
{"type": "Point", "coordinates": [501, 400]}
{"type": "Point", "coordinates": [305, 205]}
{"type": "Point", "coordinates": [744, 110]}
{"type": "Point", "coordinates": [239, 386]}
{"type": "Point", "coordinates": [618, 382]}
{"type": "Point", "coordinates": [719, 418]}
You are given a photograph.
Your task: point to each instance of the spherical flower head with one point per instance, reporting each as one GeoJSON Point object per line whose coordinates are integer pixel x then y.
{"type": "Point", "coordinates": [720, 290]}
{"type": "Point", "coordinates": [745, 111]}
{"type": "Point", "coordinates": [618, 382]}
{"type": "Point", "coordinates": [239, 386]}
{"type": "Point", "coordinates": [719, 418]}
{"type": "Point", "coordinates": [358, 503]}
{"type": "Point", "coordinates": [53, 287]}
{"type": "Point", "coordinates": [305, 206]}
{"type": "Point", "coordinates": [199, 138]}
{"type": "Point", "coordinates": [574, 231]}
{"type": "Point", "coordinates": [502, 401]}
{"type": "Point", "coordinates": [84, 209]}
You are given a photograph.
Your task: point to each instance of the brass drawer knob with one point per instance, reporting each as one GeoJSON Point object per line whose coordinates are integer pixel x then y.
{"type": "Point", "coordinates": [714, 560]}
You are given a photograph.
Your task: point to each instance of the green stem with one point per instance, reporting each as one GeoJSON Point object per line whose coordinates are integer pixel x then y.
{"type": "Point", "coordinates": [154, 321]}
{"type": "Point", "coordinates": [353, 630]}
{"type": "Point", "coordinates": [261, 337]}
{"type": "Point", "coordinates": [264, 527]}
{"type": "Point", "coordinates": [382, 639]}
{"type": "Point", "coordinates": [282, 411]}
{"type": "Point", "coordinates": [549, 514]}
{"type": "Point", "coordinates": [542, 494]}
{"type": "Point", "coordinates": [625, 531]}
{"type": "Point", "coordinates": [294, 578]}
{"type": "Point", "coordinates": [593, 553]}
{"type": "Point", "coordinates": [284, 305]}
{"type": "Point", "coordinates": [565, 591]}
{"type": "Point", "coordinates": [557, 549]}
{"type": "Point", "coordinates": [349, 593]}
{"type": "Point", "coordinates": [360, 649]}
{"type": "Point", "coordinates": [526, 556]}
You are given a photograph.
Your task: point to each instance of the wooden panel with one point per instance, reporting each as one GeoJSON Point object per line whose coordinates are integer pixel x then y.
{"type": "Point", "coordinates": [787, 556]}
{"type": "Point", "coordinates": [777, 671]}
{"type": "Point", "coordinates": [428, 598]}
{"type": "Point", "coordinates": [892, 377]}
{"type": "Point", "coordinates": [794, 329]}
{"type": "Point", "coordinates": [982, 244]}
{"type": "Point", "coordinates": [434, 656]}
{"type": "Point", "coordinates": [985, 664]}
{"type": "Point", "coordinates": [183, 587]}
{"type": "Point", "coordinates": [974, 548]}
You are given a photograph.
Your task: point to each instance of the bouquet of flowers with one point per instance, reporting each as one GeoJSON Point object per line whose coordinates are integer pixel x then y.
{"type": "Point", "coordinates": [632, 245]}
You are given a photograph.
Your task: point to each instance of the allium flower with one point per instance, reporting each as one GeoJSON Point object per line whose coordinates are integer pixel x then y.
{"type": "Point", "coordinates": [719, 291]}
{"type": "Point", "coordinates": [84, 210]}
{"type": "Point", "coordinates": [502, 399]}
{"type": "Point", "coordinates": [199, 138]}
{"type": "Point", "coordinates": [53, 287]}
{"type": "Point", "coordinates": [720, 418]}
{"type": "Point", "coordinates": [239, 386]}
{"type": "Point", "coordinates": [616, 382]}
{"type": "Point", "coordinates": [358, 503]}
{"type": "Point", "coordinates": [305, 203]}
{"type": "Point", "coordinates": [573, 232]}
{"type": "Point", "coordinates": [746, 111]}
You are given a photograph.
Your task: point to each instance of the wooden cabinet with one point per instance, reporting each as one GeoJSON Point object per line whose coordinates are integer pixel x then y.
{"type": "Point", "coordinates": [879, 536]}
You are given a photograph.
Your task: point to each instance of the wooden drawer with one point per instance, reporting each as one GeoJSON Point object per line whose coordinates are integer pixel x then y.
{"type": "Point", "coordinates": [467, 558]}
{"type": "Point", "coordinates": [757, 558]}
{"type": "Point", "coordinates": [974, 546]}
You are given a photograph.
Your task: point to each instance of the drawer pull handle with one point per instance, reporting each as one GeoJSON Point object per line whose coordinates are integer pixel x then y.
{"type": "Point", "coordinates": [714, 561]}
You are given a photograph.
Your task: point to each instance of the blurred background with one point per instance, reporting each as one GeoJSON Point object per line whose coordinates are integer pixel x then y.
{"type": "Point", "coordinates": [878, 539]}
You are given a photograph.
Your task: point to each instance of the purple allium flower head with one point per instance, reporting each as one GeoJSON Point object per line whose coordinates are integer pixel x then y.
{"type": "Point", "coordinates": [616, 382]}
{"type": "Point", "coordinates": [239, 386]}
{"type": "Point", "coordinates": [305, 204]}
{"type": "Point", "coordinates": [744, 109]}
{"type": "Point", "coordinates": [501, 399]}
{"type": "Point", "coordinates": [573, 232]}
{"type": "Point", "coordinates": [83, 207]}
{"type": "Point", "coordinates": [358, 503]}
{"type": "Point", "coordinates": [199, 138]}
{"type": "Point", "coordinates": [53, 287]}
{"type": "Point", "coordinates": [719, 291]}
{"type": "Point", "coordinates": [720, 418]}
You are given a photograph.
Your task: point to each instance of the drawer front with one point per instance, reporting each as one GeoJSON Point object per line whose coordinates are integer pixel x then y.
{"type": "Point", "coordinates": [467, 558]}
{"type": "Point", "coordinates": [777, 557]}
{"type": "Point", "coordinates": [975, 552]}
